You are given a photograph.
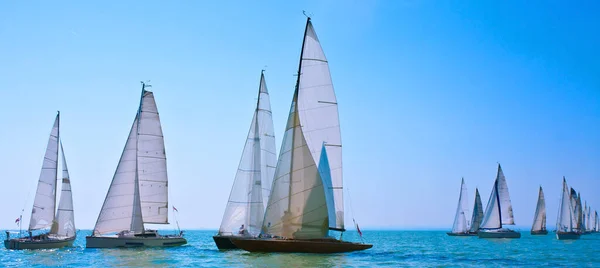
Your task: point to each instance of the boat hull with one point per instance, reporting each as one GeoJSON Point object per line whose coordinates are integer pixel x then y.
{"type": "Point", "coordinates": [298, 246]}
{"type": "Point", "coordinates": [540, 232]}
{"type": "Point", "coordinates": [25, 243]}
{"type": "Point", "coordinates": [130, 242]}
{"type": "Point", "coordinates": [567, 235]}
{"type": "Point", "coordinates": [499, 234]}
{"type": "Point", "coordinates": [461, 234]}
{"type": "Point", "coordinates": [223, 242]}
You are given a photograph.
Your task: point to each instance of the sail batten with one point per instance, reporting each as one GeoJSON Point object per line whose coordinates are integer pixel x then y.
{"type": "Point", "coordinates": [44, 204]}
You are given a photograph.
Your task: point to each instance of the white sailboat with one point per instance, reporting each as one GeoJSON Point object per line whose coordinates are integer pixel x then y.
{"type": "Point", "coordinates": [596, 222]}
{"type": "Point", "coordinates": [498, 212]}
{"type": "Point", "coordinates": [252, 183]}
{"type": "Point", "coordinates": [539, 220]}
{"type": "Point", "coordinates": [61, 221]}
{"type": "Point", "coordinates": [477, 216]}
{"type": "Point", "coordinates": [461, 224]}
{"type": "Point", "coordinates": [306, 199]}
{"type": "Point", "coordinates": [138, 193]}
{"type": "Point", "coordinates": [566, 223]}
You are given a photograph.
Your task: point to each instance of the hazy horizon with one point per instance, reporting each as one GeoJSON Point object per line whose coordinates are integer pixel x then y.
{"type": "Point", "coordinates": [429, 92]}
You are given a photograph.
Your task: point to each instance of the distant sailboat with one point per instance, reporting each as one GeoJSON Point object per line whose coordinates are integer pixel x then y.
{"type": "Point", "coordinates": [461, 224]}
{"type": "Point", "coordinates": [477, 214]}
{"type": "Point", "coordinates": [539, 220]}
{"type": "Point", "coordinates": [596, 222]}
{"type": "Point", "coordinates": [62, 231]}
{"type": "Point", "coordinates": [252, 184]}
{"type": "Point", "coordinates": [565, 229]}
{"type": "Point", "coordinates": [138, 193]}
{"type": "Point", "coordinates": [306, 200]}
{"type": "Point", "coordinates": [498, 212]}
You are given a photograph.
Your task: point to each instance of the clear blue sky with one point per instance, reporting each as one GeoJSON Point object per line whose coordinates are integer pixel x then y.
{"type": "Point", "coordinates": [428, 91]}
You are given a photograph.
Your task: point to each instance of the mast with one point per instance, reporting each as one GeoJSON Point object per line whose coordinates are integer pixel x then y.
{"type": "Point", "coordinates": [295, 102]}
{"type": "Point", "coordinates": [498, 200]}
{"type": "Point", "coordinates": [136, 192]}
{"type": "Point", "coordinates": [56, 176]}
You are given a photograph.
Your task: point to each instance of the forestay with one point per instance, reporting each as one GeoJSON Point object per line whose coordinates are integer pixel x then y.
{"type": "Point", "coordinates": [44, 204]}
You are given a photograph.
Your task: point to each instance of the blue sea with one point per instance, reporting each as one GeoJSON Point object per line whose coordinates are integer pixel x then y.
{"type": "Point", "coordinates": [390, 248]}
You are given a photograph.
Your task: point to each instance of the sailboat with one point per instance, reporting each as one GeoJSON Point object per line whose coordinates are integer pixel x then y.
{"type": "Point", "coordinates": [498, 212]}
{"type": "Point", "coordinates": [138, 193]}
{"type": "Point", "coordinates": [62, 231]}
{"type": "Point", "coordinates": [251, 186]}
{"type": "Point", "coordinates": [566, 223]}
{"type": "Point", "coordinates": [306, 200]}
{"type": "Point", "coordinates": [539, 220]}
{"type": "Point", "coordinates": [596, 222]}
{"type": "Point", "coordinates": [477, 216]}
{"type": "Point", "coordinates": [461, 225]}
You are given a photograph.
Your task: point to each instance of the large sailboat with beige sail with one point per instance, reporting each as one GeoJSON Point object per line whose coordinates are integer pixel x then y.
{"type": "Point", "coordinates": [306, 200]}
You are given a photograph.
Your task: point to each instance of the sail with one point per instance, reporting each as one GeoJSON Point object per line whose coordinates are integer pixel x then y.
{"type": "Point", "coordinates": [64, 224]}
{"type": "Point", "coordinates": [152, 163]}
{"type": "Point", "coordinates": [297, 205]}
{"type": "Point", "coordinates": [477, 213]}
{"type": "Point", "coordinates": [460, 218]}
{"type": "Point", "coordinates": [579, 214]}
{"type": "Point", "coordinates": [539, 220]}
{"type": "Point", "coordinates": [117, 213]}
{"type": "Point", "coordinates": [565, 212]}
{"type": "Point", "coordinates": [325, 173]}
{"type": "Point", "coordinates": [245, 205]}
{"type": "Point", "coordinates": [492, 218]}
{"type": "Point", "coordinates": [588, 219]}
{"type": "Point", "coordinates": [505, 204]}
{"type": "Point", "coordinates": [266, 133]}
{"type": "Point", "coordinates": [318, 113]}
{"type": "Point", "coordinates": [573, 202]}
{"type": "Point", "coordinates": [597, 222]}
{"type": "Point", "coordinates": [44, 204]}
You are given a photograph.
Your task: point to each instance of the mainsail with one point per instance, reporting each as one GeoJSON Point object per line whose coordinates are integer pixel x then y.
{"type": "Point", "coordinates": [461, 225]}
{"type": "Point", "coordinates": [64, 224]}
{"type": "Point", "coordinates": [138, 191]}
{"type": "Point", "coordinates": [251, 186]}
{"type": "Point", "coordinates": [504, 199]}
{"type": "Point", "coordinates": [539, 220]}
{"type": "Point", "coordinates": [565, 211]}
{"type": "Point", "coordinates": [44, 204]}
{"type": "Point", "coordinates": [477, 213]}
{"type": "Point", "coordinates": [492, 218]}
{"type": "Point", "coordinates": [298, 206]}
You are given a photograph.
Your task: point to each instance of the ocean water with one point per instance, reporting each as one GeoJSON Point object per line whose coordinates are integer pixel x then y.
{"type": "Point", "coordinates": [390, 248]}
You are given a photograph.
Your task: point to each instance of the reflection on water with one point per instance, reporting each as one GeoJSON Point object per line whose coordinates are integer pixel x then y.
{"type": "Point", "coordinates": [391, 248]}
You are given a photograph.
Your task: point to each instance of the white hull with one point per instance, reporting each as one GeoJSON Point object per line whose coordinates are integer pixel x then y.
{"type": "Point", "coordinates": [127, 242]}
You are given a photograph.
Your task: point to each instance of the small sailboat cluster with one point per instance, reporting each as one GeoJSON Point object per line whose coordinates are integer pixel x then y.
{"type": "Point", "coordinates": [573, 218]}
{"type": "Point", "coordinates": [293, 203]}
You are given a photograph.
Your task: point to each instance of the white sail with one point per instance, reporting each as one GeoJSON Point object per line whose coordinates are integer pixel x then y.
{"type": "Point", "coordinates": [597, 222]}
{"type": "Point", "coordinates": [579, 214]}
{"type": "Point", "coordinates": [297, 205]}
{"type": "Point", "coordinates": [492, 218]}
{"type": "Point", "coordinates": [461, 225]}
{"type": "Point", "coordinates": [152, 163]}
{"type": "Point", "coordinates": [588, 219]}
{"type": "Point", "coordinates": [266, 133]}
{"type": "Point", "coordinates": [117, 212]}
{"type": "Point", "coordinates": [477, 216]}
{"type": "Point", "coordinates": [64, 224]}
{"type": "Point", "coordinates": [573, 201]}
{"type": "Point", "coordinates": [318, 113]}
{"type": "Point", "coordinates": [565, 211]}
{"type": "Point", "coordinates": [505, 204]}
{"type": "Point", "coordinates": [44, 204]}
{"type": "Point", "coordinates": [539, 220]}
{"type": "Point", "coordinates": [245, 205]}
